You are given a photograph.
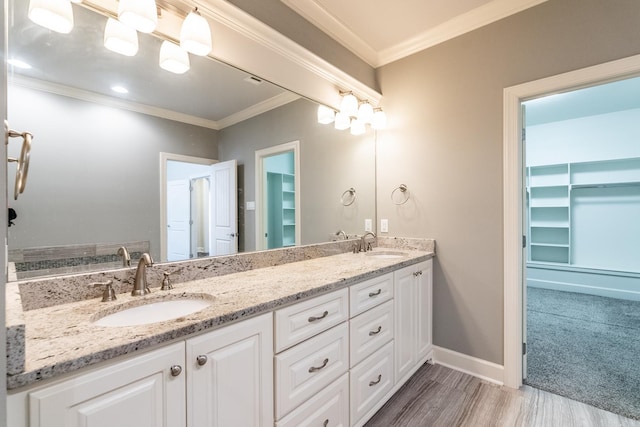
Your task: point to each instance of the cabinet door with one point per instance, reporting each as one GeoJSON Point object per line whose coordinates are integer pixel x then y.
{"type": "Point", "coordinates": [230, 375]}
{"type": "Point", "coordinates": [405, 321]}
{"type": "Point", "coordinates": [139, 392]}
{"type": "Point", "coordinates": [425, 308]}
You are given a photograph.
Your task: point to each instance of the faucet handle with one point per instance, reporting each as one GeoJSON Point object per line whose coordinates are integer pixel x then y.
{"type": "Point", "coordinates": [166, 283]}
{"type": "Point", "coordinates": [109, 294]}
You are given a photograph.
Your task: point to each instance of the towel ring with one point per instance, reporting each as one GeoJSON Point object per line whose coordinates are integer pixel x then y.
{"type": "Point", "coordinates": [404, 192]}
{"type": "Point", "coordinates": [22, 168]}
{"type": "Point", "coordinates": [348, 197]}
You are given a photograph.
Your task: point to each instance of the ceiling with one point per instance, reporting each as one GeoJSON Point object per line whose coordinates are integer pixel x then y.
{"type": "Point", "coordinates": [382, 31]}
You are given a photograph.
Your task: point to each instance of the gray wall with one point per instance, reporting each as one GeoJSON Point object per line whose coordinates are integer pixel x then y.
{"type": "Point", "coordinates": [445, 142]}
{"type": "Point", "coordinates": [331, 161]}
{"type": "Point", "coordinates": [94, 174]}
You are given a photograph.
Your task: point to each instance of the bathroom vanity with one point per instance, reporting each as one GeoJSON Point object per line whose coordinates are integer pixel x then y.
{"type": "Point", "coordinates": [323, 341]}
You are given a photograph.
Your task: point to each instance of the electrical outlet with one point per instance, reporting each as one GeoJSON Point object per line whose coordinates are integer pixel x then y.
{"type": "Point", "coordinates": [384, 225]}
{"type": "Point", "coordinates": [368, 225]}
{"type": "Point", "coordinates": [251, 206]}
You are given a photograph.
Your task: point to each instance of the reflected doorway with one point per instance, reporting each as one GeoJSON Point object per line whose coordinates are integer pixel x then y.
{"type": "Point", "coordinates": [278, 196]}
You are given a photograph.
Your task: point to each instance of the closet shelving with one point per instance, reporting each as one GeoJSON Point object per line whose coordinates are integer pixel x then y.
{"type": "Point", "coordinates": [549, 189]}
{"type": "Point", "coordinates": [281, 228]}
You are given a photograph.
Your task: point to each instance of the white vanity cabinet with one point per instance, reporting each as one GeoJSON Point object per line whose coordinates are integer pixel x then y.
{"type": "Point", "coordinates": [221, 378]}
{"type": "Point", "coordinates": [413, 289]}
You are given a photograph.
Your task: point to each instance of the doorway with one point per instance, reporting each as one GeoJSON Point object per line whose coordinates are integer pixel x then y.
{"type": "Point", "coordinates": [278, 196]}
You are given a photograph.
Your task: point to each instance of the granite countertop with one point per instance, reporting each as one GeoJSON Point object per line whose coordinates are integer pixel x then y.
{"type": "Point", "coordinates": [61, 338]}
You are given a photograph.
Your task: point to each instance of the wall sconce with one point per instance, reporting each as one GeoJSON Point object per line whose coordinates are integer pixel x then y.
{"type": "Point", "coordinates": [365, 112]}
{"type": "Point", "coordinates": [379, 119]}
{"type": "Point", "coordinates": [120, 38]}
{"type": "Point", "coordinates": [173, 58]}
{"type": "Point", "coordinates": [326, 115]}
{"type": "Point", "coordinates": [349, 104]}
{"type": "Point", "coordinates": [195, 34]}
{"type": "Point", "coordinates": [56, 15]}
{"type": "Point", "coordinates": [139, 14]}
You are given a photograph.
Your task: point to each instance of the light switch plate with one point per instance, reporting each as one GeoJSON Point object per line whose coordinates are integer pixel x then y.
{"type": "Point", "coordinates": [384, 225]}
{"type": "Point", "coordinates": [251, 206]}
{"type": "Point", "coordinates": [368, 225]}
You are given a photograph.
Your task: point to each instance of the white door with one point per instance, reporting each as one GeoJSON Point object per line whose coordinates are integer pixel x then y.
{"type": "Point", "coordinates": [224, 208]}
{"type": "Point", "coordinates": [178, 217]}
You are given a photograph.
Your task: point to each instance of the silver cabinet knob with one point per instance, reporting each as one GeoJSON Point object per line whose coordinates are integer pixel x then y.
{"type": "Point", "coordinates": [175, 370]}
{"type": "Point", "coordinates": [201, 360]}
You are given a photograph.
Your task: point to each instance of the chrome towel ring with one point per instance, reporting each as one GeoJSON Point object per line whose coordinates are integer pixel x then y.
{"type": "Point", "coordinates": [348, 197]}
{"type": "Point", "coordinates": [400, 195]}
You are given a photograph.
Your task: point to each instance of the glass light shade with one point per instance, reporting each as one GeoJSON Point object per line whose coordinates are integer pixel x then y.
{"type": "Point", "coordinates": [365, 112]}
{"type": "Point", "coordinates": [379, 120]}
{"type": "Point", "coordinates": [326, 115]}
{"type": "Point", "coordinates": [195, 35]}
{"type": "Point", "coordinates": [173, 58]}
{"type": "Point", "coordinates": [120, 38]}
{"type": "Point", "coordinates": [349, 105]}
{"type": "Point", "coordinates": [358, 127]}
{"type": "Point", "coordinates": [342, 122]}
{"type": "Point", "coordinates": [56, 15]}
{"type": "Point", "coordinates": [139, 14]}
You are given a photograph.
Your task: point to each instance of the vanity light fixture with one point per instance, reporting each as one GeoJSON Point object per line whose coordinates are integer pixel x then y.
{"type": "Point", "coordinates": [326, 115]}
{"type": "Point", "coordinates": [195, 34]}
{"type": "Point", "coordinates": [173, 58]}
{"type": "Point", "coordinates": [365, 112]}
{"type": "Point", "coordinates": [120, 38]}
{"type": "Point", "coordinates": [357, 127]}
{"type": "Point", "coordinates": [56, 15]}
{"type": "Point", "coordinates": [139, 14]}
{"type": "Point", "coordinates": [342, 121]}
{"type": "Point", "coordinates": [349, 104]}
{"type": "Point", "coordinates": [379, 119]}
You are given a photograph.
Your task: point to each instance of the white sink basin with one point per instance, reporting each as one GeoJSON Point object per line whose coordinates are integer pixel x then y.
{"type": "Point", "coordinates": [386, 254]}
{"type": "Point", "coordinates": [154, 311]}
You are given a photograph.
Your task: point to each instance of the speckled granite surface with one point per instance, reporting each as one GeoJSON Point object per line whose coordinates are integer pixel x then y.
{"type": "Point", "coordinates": [61, 338]}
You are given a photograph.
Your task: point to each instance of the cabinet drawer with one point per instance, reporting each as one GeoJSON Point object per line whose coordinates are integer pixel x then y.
{"type": "Point", "coordinates": [298, 322]}
{"type": "Point", "coordinates": [329, 407]}
{"type": "Point", "coordinates": [370, 293]}
{"type": "Point", "coordinates": [371, 380]}
{"type": "Point", "coordinates": [370, 331]}
{"type": "Point", "coordinates": [304, 370]}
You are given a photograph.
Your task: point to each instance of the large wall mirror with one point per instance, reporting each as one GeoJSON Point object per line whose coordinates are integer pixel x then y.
{"type": "Point", "coordinates": [96, 175]}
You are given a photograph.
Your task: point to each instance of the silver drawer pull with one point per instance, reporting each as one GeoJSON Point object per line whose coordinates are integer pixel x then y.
{"type": "Point", "coordinates": [375, 294]}
{"type": "Point", "coordinates": [325, 423]}
{"type": "Point", "coordinates": [314, 318]}
{"type": "Point", "coordinates": [376, 332]}
{"type": "Point", "coordinates": [372, 383]}
{"type": "Point", "coordinates": [317, 368]}
{"type": "Point", "coordinates": [418, 273]}
{"type": "Point", "coordinates": [201, 360]}
{"type": "Point", "coordinates": [175, 370]}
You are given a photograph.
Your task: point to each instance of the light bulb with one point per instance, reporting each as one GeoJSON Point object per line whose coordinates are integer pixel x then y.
{"type": "Point", "coordinates": [326, 115]}
{"type": "Point", "coordinates": [56, 15]}
{"type": "Point", "coordinates": [195, 35]}
{"type": "Point", "coordinates": [120, 38]}
{"type": "Point", "coordinates": [357, 127]}
{"type": "Point", "coordinates": [173, 58]}
{"type": "Point", "coordinates": [365, 113]}
{"type": "Point", "coordinates": [342, 121]}
{"type": "Point", "coordinates": [349, 105]}
{"type": "Point", "coordinates": [139, 14]}
{"type": "Point", "coordinates": [379, 120]}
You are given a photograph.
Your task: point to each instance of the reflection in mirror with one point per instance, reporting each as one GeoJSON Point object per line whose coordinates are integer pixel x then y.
{"type": "Point", "coordinates": [95, 179]}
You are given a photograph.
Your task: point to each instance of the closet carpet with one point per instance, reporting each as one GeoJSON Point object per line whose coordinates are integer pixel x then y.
{"type": "Point", "coordinates": [586, 348]}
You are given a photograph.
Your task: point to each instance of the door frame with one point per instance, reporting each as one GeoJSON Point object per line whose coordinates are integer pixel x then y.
{"type": "Point", "coordinates": [260, 188]}
{"type": "Point", "coordinates": [513, 188]}
{"type": "Point", "coordinates": [164, 158]}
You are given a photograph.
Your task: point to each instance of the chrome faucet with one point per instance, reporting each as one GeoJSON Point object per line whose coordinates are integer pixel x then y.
{"type": "Point", "coordinates": [140, 283]}
{"type": "Point", "coordinates": [364, 246]}
{"type": "Point", "coordinates": [126, 258]}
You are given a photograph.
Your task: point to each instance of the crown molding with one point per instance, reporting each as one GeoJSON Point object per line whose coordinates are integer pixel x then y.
{"type": "Point", "coordinates": [257, 109]}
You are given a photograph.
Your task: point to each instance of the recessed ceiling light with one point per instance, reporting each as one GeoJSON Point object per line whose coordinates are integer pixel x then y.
{"type": "Point", "coordinates": [119, 89]}
{"type": "Point", "coordinates": [18, 63]}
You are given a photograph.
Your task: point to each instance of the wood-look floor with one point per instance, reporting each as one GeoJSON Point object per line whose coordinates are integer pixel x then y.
{"type": "Point", "coordinates": [439, 396]}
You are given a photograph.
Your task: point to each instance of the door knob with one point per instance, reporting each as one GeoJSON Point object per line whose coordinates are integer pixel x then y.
{"type": "Point", "coordinates": [175, 370]}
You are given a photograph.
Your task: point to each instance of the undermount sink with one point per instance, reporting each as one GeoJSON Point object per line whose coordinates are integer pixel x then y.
{"type": "Point", "coordinates": [386, 254]}
{"type": "Point", "coordinates": [155, 310]}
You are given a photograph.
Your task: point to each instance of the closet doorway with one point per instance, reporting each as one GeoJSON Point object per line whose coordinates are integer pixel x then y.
{"type": "Point", "coordinates": [582, 271]}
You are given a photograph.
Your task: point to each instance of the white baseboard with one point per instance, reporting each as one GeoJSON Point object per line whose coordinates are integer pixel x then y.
{"type": "Point", "coordinates": [479, 368]}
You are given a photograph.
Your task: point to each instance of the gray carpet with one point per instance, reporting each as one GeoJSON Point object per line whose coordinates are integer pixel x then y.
{"type": "Point", "coordinates": [586, 348]}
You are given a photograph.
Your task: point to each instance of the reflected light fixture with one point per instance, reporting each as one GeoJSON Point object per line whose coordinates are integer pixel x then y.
{"type": "Point", "coordinates": [349, 104]}
{"type": "Point", "coordinates": [119, 89]}
{"type": "Point", "coordinates": [379, 119]}
{"type": "Point", "coordinates": [326, 115]}
{"type": "Point", "coordinates": [19, 64]}
{"type": "Point", "coordinates": [173, 58]}
{"type": "Point", "coordinates": [195, 34]}
{"type": "Point", "coordinates": [139, 14]}
{"type": "Point", "coordinates": [120, 38]}
{"type": "Point", "coordinates": [357, 127]}
{"type": "Point", "coordinates": [56, 15]}
{"type": "Point", "coordinates": [365, 112]}
{"type": "Point", "coordinates": [342, 121]}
